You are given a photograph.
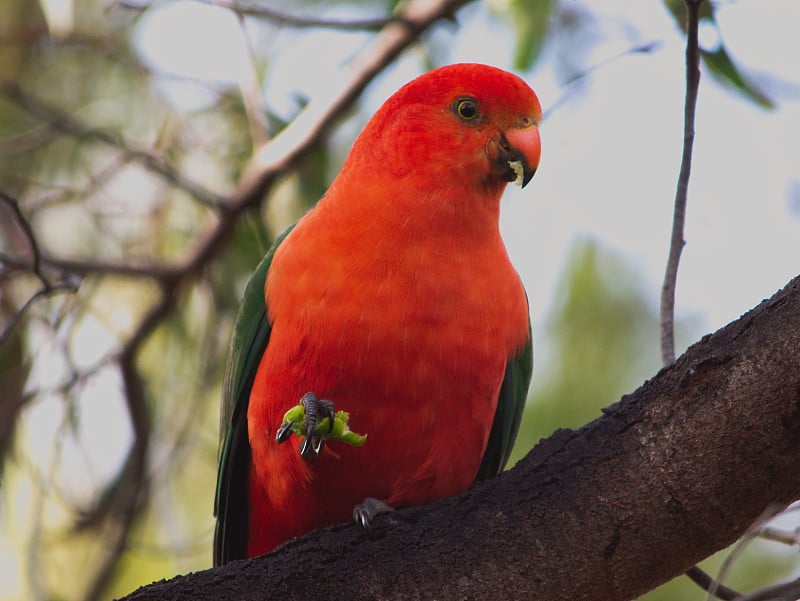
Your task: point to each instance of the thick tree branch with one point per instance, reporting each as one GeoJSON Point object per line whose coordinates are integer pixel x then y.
{"type": "Point", "coordinates": [667, 476]}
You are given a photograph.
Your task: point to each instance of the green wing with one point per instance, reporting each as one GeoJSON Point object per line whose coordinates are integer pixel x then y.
{"type": "Point", "coordinates": [250, 337]}
{"type": "Point", "coordinates": [510, 404]}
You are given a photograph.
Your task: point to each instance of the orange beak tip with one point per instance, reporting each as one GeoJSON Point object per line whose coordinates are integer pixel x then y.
{"type": "Point", "coordinates": [527, 150]}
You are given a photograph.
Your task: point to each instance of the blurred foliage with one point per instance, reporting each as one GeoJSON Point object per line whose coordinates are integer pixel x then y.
{"type": "Point", "coordinates": [602, 340]}
{"type": "Point", "coordinates": [532, 20]}
{"type": "Point", "coordinates": [718, 60]}
{"type": "Point", "coordinates": [97, 200]}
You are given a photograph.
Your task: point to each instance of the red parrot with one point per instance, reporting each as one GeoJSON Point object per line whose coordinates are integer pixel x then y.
{"type": "Point", "coordinates": [393, 299]}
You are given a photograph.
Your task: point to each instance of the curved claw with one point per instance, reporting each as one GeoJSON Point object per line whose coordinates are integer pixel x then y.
{"type": "Point", "coordinates": [284, 432]}
{"type": "Point", "coordinates": [312, 446]}
{"type": "Point", "coordinates": [364, 513]}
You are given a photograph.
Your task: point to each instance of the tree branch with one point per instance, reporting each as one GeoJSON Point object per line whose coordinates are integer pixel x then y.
{"type": "Point", "coordinates": [289, 20]}
{"type": "Point", "coordinates": [32, 265]}
{"type": "Point", "coordinates": [672, 473]}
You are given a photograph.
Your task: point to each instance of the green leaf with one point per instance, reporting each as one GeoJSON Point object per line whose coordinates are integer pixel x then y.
{"type": "Point", "coordinates": [719, 63]}
{"type": "Point", "coordinates": [531, 20]}
{"type": "Point", "coordinates": [721, 66]}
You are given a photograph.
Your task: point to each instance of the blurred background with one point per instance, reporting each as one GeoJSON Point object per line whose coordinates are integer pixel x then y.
{"type": "Point", "coordinates": [125, 124]}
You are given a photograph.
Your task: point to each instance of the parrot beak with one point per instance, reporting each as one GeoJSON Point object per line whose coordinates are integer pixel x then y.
{"type": "Point", "coordinates": [520, 150]}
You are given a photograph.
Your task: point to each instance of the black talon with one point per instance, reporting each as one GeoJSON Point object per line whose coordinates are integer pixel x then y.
{"type": "Point", "coordinates": [312, 447]}
{"type": "Point", "coordinates": [305, 448]}
{"type": "Point", "coordinates": [284, 432]}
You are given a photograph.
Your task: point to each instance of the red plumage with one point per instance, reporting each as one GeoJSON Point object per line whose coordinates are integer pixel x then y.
{"type": "Point", "coordinates": [395, 299]}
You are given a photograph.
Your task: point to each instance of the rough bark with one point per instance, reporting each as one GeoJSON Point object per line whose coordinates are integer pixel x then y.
{"type": "Point", "coordinates": [672, 473]}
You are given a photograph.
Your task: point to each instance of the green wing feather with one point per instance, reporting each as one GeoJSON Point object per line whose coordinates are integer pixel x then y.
{"type": "Point", "coordinates": [250, 337]}
{"type": "Point", "coordinates": [510, 404]}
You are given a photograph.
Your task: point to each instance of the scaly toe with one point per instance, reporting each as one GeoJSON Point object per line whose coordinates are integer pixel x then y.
{"type": "Point", "coordinates": [315, 410]}
{"type": "Point", "coordinates": [364, 513]}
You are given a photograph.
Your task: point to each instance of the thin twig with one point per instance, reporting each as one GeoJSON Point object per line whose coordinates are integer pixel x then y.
{"type": "Point", "coordinates": [289, 20]}
{"type": "Point", "coordinates": [250, 89]}
{"type": "Point", "coordinates": [769, 513]}
{"type": "Point", "coordinates": [84, 267]}
{"type": "Point", "coordinates": [16, 318]}
{"type": "Point", "coordinates": [667, 316]}
{"type": "Point", "coordinates": [30, 237]}
{"type": "Point", "coordinates": [568, 85]}
{"type": "Point", "coordinates": [667, 311]}
{"type": "Point", "coordinates": [281, 18]}
{"type": "Point", "coordinates": [785, 591]}
{"type": "Point", "coordinates": [707, 583]}
{"type": "Point", "coordinates": [787, 537]}
{"type": "Point", "coordinates": [131, 490]}
{"type": "Point", "coordinates": [32, 265]}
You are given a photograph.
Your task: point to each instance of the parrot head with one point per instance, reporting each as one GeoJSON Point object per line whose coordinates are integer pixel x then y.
{"type": "Point", "coordinates": [463, 124]}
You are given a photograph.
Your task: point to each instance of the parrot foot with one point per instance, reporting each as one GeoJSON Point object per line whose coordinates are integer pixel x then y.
{"type": "Point", "coordinates": [315, 421]}
{"type": "Point", "coordinates": [367, 511]}
{"type": "Point", "coordinates": [314, 410]}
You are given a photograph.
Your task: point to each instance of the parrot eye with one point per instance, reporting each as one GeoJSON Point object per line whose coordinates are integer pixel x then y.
{"type": "Point", "coordinates": [466, 109]}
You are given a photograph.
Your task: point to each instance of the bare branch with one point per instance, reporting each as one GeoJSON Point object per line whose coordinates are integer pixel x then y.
{"type": "Point", "coordinates": [33, 265]}
{"type": "Point", "coordinates": [288, 20]}
{"type": "Point", "coordinates": [679, 216]}
{"type": "Point", "coordinates": [785, 591]}
{"type": "Point", "coordinates": [83, 267]}
{"type": "Point", "coordinates": [771, 511]}
{"type": "Point", "coordinates": [281, 18]}
{"type": "Point", "coordinates": [249, 87]}
{"type": "Point", "coordinates": [131, 490]}
{"type": "Point", "coordinates": [708, 584]}
{"type": "Point", "coordinates": [568, 86]}
{"type": "Point", "coordinates": [787, 537]}
{"type": "Point", "coordinates": [275, 157]}
{"type": "Point", "coordinates": [30, 237]}
{"type": "Point", "coordinates": [16, 318]}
